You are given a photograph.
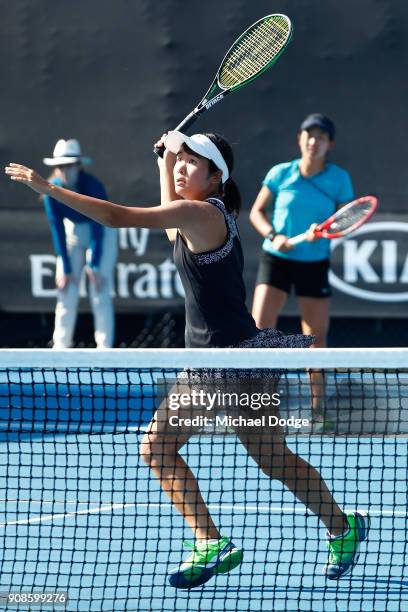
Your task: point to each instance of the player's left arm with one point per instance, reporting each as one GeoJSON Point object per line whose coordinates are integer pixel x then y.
{"type": "Point", "coordinates": [180, 213]}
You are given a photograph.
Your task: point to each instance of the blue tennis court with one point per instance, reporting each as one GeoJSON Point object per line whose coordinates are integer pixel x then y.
{"type": "Point", "coordinates": [81, 513]}
{"type": "Point", "coordinates": [112, 546]}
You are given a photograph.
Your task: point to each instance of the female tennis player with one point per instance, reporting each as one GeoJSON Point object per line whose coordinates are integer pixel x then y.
{"type": "Point", "coordinates": [199, 205]}
{"type": "Point", "coordinates": [294, 198]}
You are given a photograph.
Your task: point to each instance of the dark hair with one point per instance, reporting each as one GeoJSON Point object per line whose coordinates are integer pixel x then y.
{"type": "Point", "coordinates": [229, 190]}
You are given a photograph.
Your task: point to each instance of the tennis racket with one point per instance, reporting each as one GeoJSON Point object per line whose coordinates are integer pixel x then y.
{"type": "Point", "coordinates": [250, 56]}
{"type": "Point", "coordinates": [347, 219]}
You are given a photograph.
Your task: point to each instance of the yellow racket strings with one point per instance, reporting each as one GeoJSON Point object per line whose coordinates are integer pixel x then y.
{"type": "Point", "coordinates": [259, 46]}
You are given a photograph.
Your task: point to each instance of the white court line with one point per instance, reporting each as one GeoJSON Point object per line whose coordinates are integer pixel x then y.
{"type": "Point", "coordinates": [51, 502]}
{"type": "Point", "coordinates": [242, 508]}
{"type": "Point", "coordinates": [53, 517]}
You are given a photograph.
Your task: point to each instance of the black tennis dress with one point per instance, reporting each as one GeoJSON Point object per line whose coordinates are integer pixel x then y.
{"type": "Point", "coordinates": [216, 312]}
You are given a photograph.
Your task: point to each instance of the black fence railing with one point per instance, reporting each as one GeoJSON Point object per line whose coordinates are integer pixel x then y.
{"type": "Point", "coordinates": [166, 330]}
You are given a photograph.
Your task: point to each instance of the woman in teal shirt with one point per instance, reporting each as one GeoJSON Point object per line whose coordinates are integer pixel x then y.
{"type": "Point", "coordinates": [296, 196]}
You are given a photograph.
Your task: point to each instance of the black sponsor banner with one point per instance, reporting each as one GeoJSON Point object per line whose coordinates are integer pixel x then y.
{"type": "Point", "coordinates": [369, 274]}
{"type": "Point", "coordinates": [145, 275]}
{"type": "Point", "coordinates": [369, 271]}
{"type": "Point", "coordinates": [117, 77]}
{"type": "Point", "coordinates": [370, 268]}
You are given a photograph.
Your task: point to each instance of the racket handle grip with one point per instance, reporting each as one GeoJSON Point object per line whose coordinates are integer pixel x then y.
{"type": "Point", "coordinates": [188, 121]}
{"type": "Point", "coordinates": [297, 239]}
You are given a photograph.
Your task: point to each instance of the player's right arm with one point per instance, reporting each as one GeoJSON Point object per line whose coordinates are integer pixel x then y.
{"type": "Point", "coordinates": [167, 191]}
{"type": "Point", "coordinates": [259, 217]}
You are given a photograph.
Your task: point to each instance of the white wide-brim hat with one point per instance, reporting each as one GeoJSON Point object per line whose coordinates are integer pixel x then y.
{"type": "Point", "coordinates": [66, 152]}
{"type": "Point", "coordinates": [199, 143]}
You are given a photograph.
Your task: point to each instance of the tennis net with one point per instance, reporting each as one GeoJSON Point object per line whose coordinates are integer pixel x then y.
{"type": "Point", "coordinates": [86, 526]}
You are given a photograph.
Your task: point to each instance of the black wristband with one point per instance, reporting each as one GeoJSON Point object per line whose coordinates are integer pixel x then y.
{"type": "Point", "coordinates": [271, 235]}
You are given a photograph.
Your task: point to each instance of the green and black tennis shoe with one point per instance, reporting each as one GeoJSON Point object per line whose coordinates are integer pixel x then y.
{"type": "Point", "coordinates": [344, 549]}
{"type": "Point", "coordinates": [206, 560]}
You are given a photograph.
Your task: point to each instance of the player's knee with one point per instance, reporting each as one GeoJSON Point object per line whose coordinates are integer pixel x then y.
{"type": "Point", "coordinates": [153, 450]}
{"type": "Point", "coordinates": [281, 461]}
{"type": "Point", "coordinates": [148, 456]}
{"type": "Point", "coordinates": [271, 460]}
{"type": "Point", "coordinates": [147, 449]}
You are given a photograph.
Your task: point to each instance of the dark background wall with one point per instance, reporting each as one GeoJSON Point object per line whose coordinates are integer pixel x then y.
{"type": "Point", "coordinates": [117, 74]}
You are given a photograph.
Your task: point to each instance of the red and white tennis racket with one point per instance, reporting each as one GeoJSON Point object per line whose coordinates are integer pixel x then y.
{"type": "Point", "coordinates": [347, 219]}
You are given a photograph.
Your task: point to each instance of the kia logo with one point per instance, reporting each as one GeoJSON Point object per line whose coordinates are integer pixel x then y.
{"type": "Point", "coordinates": [373, 260]}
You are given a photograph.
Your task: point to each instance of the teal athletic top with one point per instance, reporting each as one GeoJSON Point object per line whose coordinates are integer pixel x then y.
{"type": "Point", "coordinates": [300, 201]}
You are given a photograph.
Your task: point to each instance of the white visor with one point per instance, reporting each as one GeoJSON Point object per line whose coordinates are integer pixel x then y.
{"type": "Point", "coordinates": [199, 144]}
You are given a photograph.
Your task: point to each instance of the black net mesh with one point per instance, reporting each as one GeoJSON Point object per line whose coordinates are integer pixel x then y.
{"type": "Point", "coordinates": [276, 453]}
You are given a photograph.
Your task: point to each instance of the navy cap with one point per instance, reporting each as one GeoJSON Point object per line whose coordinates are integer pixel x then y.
{"type": "Point", "coordinates": [320, 121]}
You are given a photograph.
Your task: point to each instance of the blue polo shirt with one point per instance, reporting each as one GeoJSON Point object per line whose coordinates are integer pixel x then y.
{"type": "Point", "coordinates": [300, 201]}
{"type": "Point", "coordinates": [57, 212]}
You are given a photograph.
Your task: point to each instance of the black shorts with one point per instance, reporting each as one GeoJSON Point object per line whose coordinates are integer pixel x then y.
{"type": "Point", "coordinates": [309, 278]}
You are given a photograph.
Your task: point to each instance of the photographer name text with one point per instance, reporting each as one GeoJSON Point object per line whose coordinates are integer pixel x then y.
{"type": "Point", "coordinates": [238, 421]}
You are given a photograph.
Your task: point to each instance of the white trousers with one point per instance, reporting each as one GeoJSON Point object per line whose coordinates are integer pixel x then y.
{"type": "Point", "coordinates": [78, 237]}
